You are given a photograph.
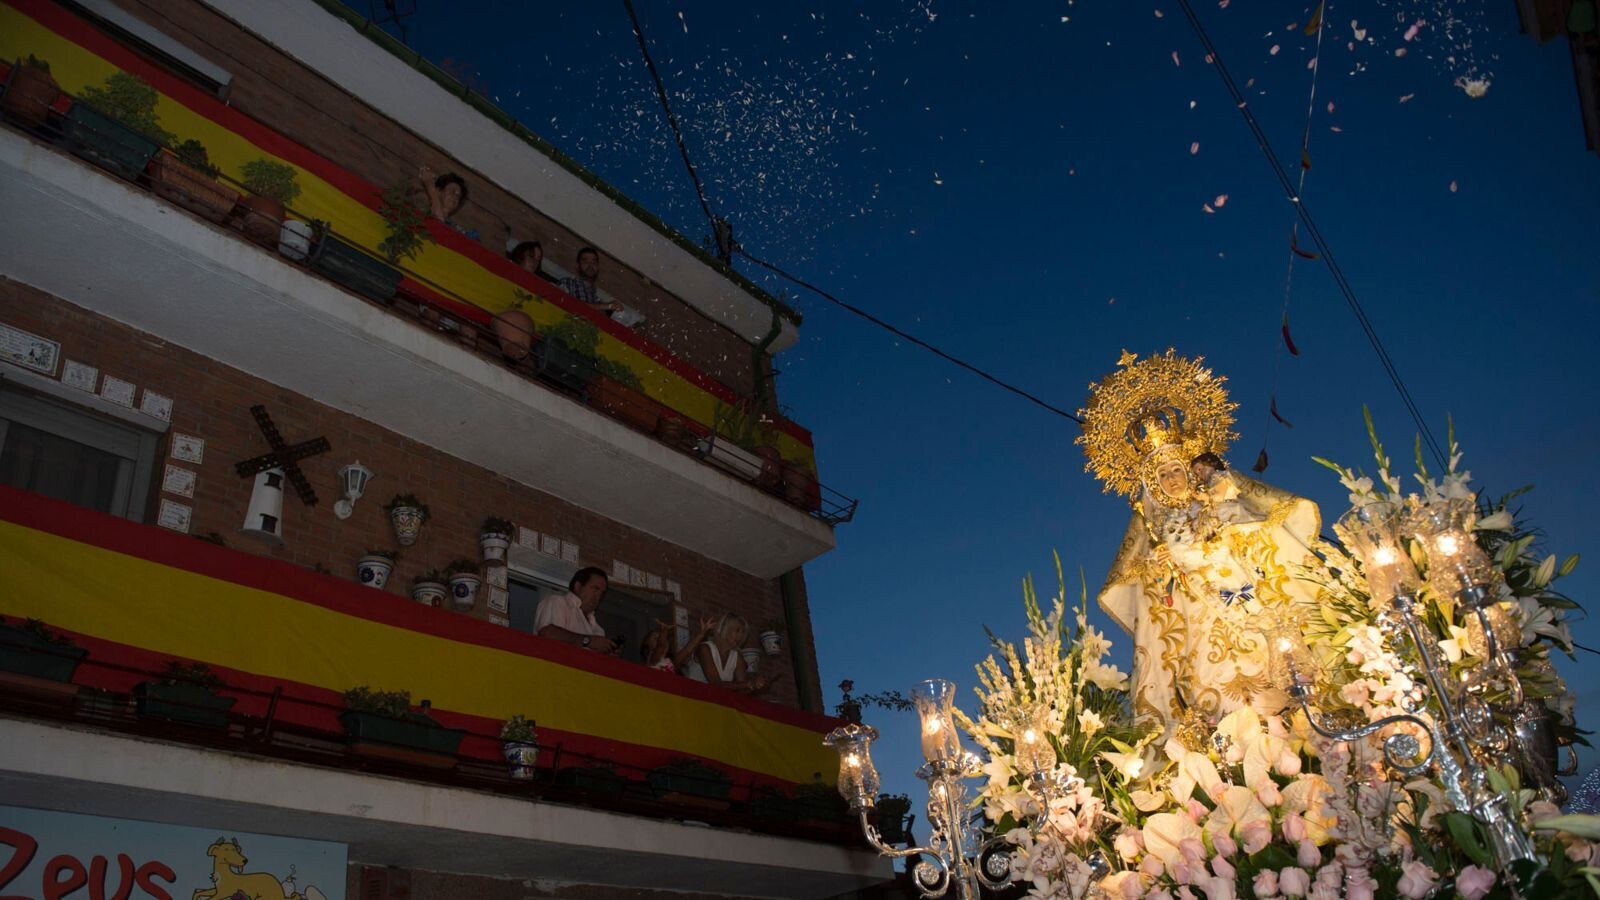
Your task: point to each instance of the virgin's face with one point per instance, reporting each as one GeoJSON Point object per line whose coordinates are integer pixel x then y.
{"type": "Point", "coordinates": [1173, 479]}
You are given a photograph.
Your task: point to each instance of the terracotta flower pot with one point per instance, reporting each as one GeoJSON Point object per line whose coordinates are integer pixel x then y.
{"type": "Point", "coordinates": [191, 188]}
{"type": "Point", "coordinates": [772, 470]}
{"type": "Point", "coordinates": [263, 219]}
{"type": "Point", "coordinates": [514, 328]}
{"type": "Point", "coordinates": [29, 95]}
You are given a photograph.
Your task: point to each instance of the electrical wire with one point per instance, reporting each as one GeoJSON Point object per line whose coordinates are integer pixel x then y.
{"type": "Point", "coordinates": [672, 120]}
{"type": "Point", "coordinates": [1312, 230]}
{"type": "Point", "coordinates": [998, 382]}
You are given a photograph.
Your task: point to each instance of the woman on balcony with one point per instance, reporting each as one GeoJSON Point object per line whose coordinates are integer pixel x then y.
{"type": "Point", "coordinates": [447, 194]}
{"type": "Point", "coordinates": [718, 661]}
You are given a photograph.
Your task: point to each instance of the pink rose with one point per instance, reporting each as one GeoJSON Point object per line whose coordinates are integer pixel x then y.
{"type": "Point", "coordinates": [1323, 892]}
{"type": "Point", "coordinates": [1330, 875]}
{"type": "Point", "coordinates": [1255, 836]}
{"type": "Point", "coordinates": [1158, 894]}
{"type": "Point", "coordinates": [1363, 890]}
{"type": "Point", "coordinates": [1294, 882]}
{"type": "Point", "coordinates": [1308, 856]}
{"type": "Point", "coordinates": [1288, 764]}
{"type": "Point", "coordinates": [1267, 792]}
{"type": "Point", "coordinates": [1217, 888]}
{"type": "Point", "coordinates": [1265, 883]}
{"type": "Point", "coordinates": [1223, 868]}
{"type": "Point", "coordinates": [1294, 828]}
{"type": "Point", "coordinates": [1474, 882]}
{"type": "Point", "coordinates": [1129, 842]}
{"type": "Point", "coordinates": [1416, 880]}
{"type": "Point", "coordinates": [1225, 846]}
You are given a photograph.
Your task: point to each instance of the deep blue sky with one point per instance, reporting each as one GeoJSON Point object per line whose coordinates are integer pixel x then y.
{"type": "Point", "coordinates": [1020, 190]}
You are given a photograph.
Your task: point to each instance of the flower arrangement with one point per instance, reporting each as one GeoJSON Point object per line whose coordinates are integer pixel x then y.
{"type": "Point", "coordinates": [130, 100]}
{"type": "Point", "coordinates": [519, 729]}
{"type": "Point", "coordinates": [1263, 805]}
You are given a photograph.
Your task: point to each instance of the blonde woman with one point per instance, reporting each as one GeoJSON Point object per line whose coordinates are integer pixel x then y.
{"type": "Point", "coordinates": [718, 661]}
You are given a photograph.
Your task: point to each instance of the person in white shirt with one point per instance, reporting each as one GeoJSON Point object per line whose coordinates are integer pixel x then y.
{"type": "Point", "coordinates": [570, 618]}
{"type": "Point", "coordinates": [718, 661]}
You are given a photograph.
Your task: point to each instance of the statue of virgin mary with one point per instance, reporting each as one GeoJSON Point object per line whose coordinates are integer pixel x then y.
{"type": "Point", "coordinates": [1212, 561]}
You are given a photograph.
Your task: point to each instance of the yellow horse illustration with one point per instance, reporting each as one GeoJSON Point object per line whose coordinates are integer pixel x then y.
{"type": "Point", "coordinates": [231, 881]}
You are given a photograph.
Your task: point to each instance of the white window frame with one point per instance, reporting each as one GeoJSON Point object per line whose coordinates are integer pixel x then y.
{"type": "Point", "coordinates": [134, 444]}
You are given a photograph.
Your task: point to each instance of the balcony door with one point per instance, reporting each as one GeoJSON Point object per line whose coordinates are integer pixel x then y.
{"type": "Point", "coordinates": [624, 613]}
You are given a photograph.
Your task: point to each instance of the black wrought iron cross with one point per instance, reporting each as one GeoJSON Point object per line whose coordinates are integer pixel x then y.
{"type": "Point", "coordinates": [283, 456]}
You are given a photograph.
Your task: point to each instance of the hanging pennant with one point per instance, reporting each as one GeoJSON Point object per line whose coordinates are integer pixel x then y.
{"type": "Point", "coordinates": [1261, 461]}
{"type": "Point", "coordinates": [1287, 340]}
{"type": "Point", "coordinates": [1294, 246]}
{"type": "Point", "coordinates": [1305, 159]}
{"type": "Point", "coordinates": [1276, 415]}
{"type": "Point", "coordinates": [1315, 25]}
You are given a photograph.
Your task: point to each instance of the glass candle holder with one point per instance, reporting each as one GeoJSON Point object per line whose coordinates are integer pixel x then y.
{"type": "Point", "coordinates": [1033, 749]}
{"type": "Point", "coordinates": [1374, 535]}
{"type": "Point", "coordinates": [935, 702]}
{"type": "Point", "coordinates": [858, 778]}
{"type": "Point", "coordinates": [1457, 567]}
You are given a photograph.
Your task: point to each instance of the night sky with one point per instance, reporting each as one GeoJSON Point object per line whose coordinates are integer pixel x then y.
{"type": "Point", "coordinates": [1027, 186]}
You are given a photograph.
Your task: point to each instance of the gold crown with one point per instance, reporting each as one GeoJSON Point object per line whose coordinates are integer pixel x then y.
{"type": "Point", "coordinates": [1166, 405]}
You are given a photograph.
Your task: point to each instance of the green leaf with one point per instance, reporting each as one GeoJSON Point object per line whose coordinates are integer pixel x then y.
{"type": "Point", "coordinates": [1583, 826]}
{"type": "Point", "coordinates": [1464, 829]}
{"type": "Point", "coordinates": [1329, 464]}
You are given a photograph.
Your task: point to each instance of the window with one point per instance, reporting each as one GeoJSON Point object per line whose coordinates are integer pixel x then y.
{"type": "Point", "coordinates": [623, 615]}
{"type": "Point", "coordinates": [66, 452]}
{"type": "Point", "coordinates": [156, 44]}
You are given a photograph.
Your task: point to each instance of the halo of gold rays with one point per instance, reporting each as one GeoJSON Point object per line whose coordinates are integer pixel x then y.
{"type": "Point", "coordinates": [1152, 390]}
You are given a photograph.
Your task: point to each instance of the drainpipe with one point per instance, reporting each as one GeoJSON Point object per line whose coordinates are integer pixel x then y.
{"type": "Point", "coordinates": [800, 646]}
{"type": "Point", "coordinates": [758, 355]}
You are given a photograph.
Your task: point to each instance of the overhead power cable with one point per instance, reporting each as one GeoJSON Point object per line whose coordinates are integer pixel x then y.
{"type": "Point", "coordinates": [998, 382]}
{"type": "Point", "coordinates": [1312, 230]}
{"type": "Point", "coordinates": [672, 120]}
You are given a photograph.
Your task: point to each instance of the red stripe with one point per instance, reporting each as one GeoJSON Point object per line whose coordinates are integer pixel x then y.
{"type": "Point", "coordinates": [183, 552]}
{"type": "Point", "coordinates": [62, 22]}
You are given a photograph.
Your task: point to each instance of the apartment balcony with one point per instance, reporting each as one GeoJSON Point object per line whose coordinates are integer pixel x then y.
{"type": "Point", "coordinates": [417, 353]}
{"type": "Point", "coordinates": [264, 734]}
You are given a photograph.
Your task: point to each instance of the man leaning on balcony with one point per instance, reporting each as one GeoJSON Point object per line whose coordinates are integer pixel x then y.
{"type": "Point", "coordinates": [583, 285]}
{"type": "Point", "coordinates": [570, 618]}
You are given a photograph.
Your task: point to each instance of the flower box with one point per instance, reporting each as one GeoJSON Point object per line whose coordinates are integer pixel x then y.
{"type": "Point", "coordinates": [592, 780]}
{"type": "Point", "coordinates": [420, 733]}
{"type": "Point", "coordinates": [192, 189]}
{"type": "Point", "coordinates": [190, 704]}
{"type": "Point", "coordinates": [28, 654]}
{"type": "Point", "coordinates": [730, 457]}
{"type": "Point", "coordinates": [619, 401]}
{"type": "Point", "coordinates": [107, 143]}
{"type": "Point", "coordinates": [690, 779]}
{"type": "Point", "coordinates": [556, 363]}
{"type": "Point", "coordinates": [346, 264]}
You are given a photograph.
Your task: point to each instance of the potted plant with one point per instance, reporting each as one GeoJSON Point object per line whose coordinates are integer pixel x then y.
{"type": "Point", "coordinates": [352, 267]}
{"type": "Point", "coordinates": [186, 177]}
{"type": "Point", "coordinates": [429, 588]}
{"type": "Point", "coordinates": [408, 515]}
{"type": "Point", "coordinates": [768, 805]}
{"type": "Point", "coordinates": [295, 237]}
{"type": "Point", "coordinates": [674, 431]}
{"type": "Point", "coordinates": [386, 718]}
{"type": "Point", "coordinates": [617, 392]}
{"type": "Point", "coordinates": [31, 648]}
{"type": "Point", "coordinates": [519, 742]}
{"type": "Point", "coordinates": [690, 778]}
{"type": "Point", "coordinates": [772, 638]}
{"type": "Point", "coordinates": [567, 351]}
{"type": "Point", "coordinates": [818, 802]}
{"type": "Point", "coordinates": [373, 570]}
{"type": "Point", "coordinates": [513, 327]}
{"type": "Point", "coordinates": [600, 779]}
{"type": "Point", "coordinates": [115, 125]}
{"type": "Point", "coordinates": [406, 216]}
{"type": "Point", "coordinates": [464, 583]}
{"type": "Point", "coordinates": [272, 187]}
{"type": "Point", "coordinates": [738, 429]}
{"type": "Point", "coordinates": [892, 811]}
{"type": "Point", "coordinates": [187, 693]}
{"type": "Point", "coordinates": [30, 92]}
{"type": "Point", "coordinates": [752, 659]}
{"type": "Point", "coordinates": [800, 486]}
{"type": "Point", "coordinates": [494, 537]}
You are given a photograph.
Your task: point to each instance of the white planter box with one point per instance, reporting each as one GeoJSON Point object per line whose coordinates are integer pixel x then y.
{"type": "Point", "coordinates": [731, 457]}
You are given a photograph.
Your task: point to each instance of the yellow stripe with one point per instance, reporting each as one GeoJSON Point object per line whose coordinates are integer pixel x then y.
{"type": "Point", "coordinates": [75, 68]}
{"type": "Point", "coordinates": [133, 601]}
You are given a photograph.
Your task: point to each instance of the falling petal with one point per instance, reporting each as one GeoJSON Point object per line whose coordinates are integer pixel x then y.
{"type": "Point", "coordinates": [1411, 33]}
{"type": "Point", "coordinates": [1330, 106]}
{"type": "Point", "coordinates": [1400, 51]}
{"type": "Point", "coordinates": [1207, 208]}
{"type": "Point", "coordinates": [1191, 104]}
{"type": "Point", "coordinates": [1221, 201]}
{"type": "Point", "coordinates": [1194, 148]}
{"type": "Point", "coordinates": [1453, 187]}
{"type": "Point", "coordinates": [1175, 58]}
{"type": "Point", "coordinates": [1407, 98]}
{"type": "Point", "coordinates": [1274, 50]}
{"type": "Point", "coordinates": [1336, 129]}
{"type": "Point", "coordinates": [1160, 14]}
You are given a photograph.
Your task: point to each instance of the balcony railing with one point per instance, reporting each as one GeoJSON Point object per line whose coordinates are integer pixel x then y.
{"type": "Point", "coordinates": [324, 250]}
{"type": "Point", "coordinates": [278, 644]}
